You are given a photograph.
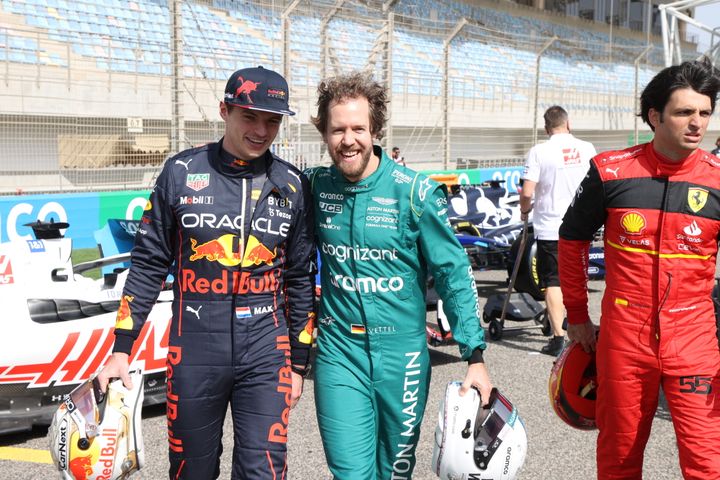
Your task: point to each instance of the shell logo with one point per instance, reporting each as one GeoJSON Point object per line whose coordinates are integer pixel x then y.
{"type": "Point", "coordinates": [633, 223]}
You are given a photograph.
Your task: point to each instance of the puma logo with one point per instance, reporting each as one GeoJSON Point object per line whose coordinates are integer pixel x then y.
{"type": "Point", "coordinates": [295, 175]}
{"type": "Point", "coordinates": [613, 171]}
{"type": "Point", "coordinates": [184, 164]}
{"type": "Point", "coordinates": [188, 308]}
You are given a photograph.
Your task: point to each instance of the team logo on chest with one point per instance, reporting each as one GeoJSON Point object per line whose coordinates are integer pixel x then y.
{"type": "Point", "coordinates": [697, 198]}
{"type": "Point", "coordinates": [329, 207]}
{"type": "Point", "coordinates": [197, 181]}
{"type": "Point", "coordinates": [633, 223]}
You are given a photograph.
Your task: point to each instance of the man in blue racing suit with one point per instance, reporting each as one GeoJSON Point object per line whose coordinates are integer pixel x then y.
{"type": "Point", "coordinates": [233, 224]}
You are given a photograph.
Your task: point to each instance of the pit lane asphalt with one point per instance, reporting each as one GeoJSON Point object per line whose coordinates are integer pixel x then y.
{"type": "Point", "coordinates": [555, 451]}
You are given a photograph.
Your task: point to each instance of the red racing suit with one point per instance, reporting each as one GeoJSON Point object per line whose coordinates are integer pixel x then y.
{"type": "Point", "coordinates": [658, 326]}
{"type": "Point", "coordinates": [238, 240]}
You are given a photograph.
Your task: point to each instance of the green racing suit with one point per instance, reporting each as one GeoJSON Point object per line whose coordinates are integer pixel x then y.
{"type": "Point", "coordinates": [378, 240]}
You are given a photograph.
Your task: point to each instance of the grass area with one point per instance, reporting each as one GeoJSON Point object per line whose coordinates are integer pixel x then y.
{"type": "Point", "coordinates": [81, 255]}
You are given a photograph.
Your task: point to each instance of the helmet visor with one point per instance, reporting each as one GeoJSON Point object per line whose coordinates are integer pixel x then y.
{"type": "Point", "coordinates": [492, 423]}
{"type": "Point", "coordinates": [82, 406]}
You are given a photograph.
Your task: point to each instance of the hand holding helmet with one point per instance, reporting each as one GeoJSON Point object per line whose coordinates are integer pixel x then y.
{"type": "Point", "coordinates": [117, 366]}
{"type": "Point", "coordinates": [583, 333]}
{"type": "Point", "coordinates": [97, 435]}
{"type": "Point", "coordinates": [573, 387]}
{"type": "Point", "coordinates": [471, 439]}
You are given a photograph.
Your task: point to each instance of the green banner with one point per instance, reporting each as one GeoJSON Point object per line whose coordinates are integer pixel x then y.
{"type": "Point", "coordinates": [128, 205]}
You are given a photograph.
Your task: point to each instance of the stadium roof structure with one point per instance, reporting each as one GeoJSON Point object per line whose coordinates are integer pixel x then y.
{"type": "Point", "coordinates": [673, 12]}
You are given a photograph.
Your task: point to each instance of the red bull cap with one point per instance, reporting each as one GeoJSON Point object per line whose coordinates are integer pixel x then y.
{"type": "Point", "coordinates": [258, 89]}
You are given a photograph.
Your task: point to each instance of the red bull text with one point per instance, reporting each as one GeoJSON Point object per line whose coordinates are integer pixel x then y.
{"type": "Point", "coordinates": [107, 454]}
{"type": "Point", "coordinates": [239, 282]}
{"type": "Point", "coordinates": [278, 430]}
{"type": "Point", "coordinates": [173, 359]}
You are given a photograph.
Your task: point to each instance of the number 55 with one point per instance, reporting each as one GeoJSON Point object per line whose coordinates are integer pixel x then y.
{"type": "Point", "coordinates": [696, 384]}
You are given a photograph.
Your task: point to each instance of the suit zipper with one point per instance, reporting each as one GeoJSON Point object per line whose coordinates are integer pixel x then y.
{"type": "Point", "coordinates": [242, 241]}
{"type": "Point", "coordinates": [666, 293]}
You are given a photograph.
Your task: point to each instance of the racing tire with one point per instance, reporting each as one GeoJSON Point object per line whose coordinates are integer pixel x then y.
{"type": "Point", "coordinates": [527, 276]}
{"type": "Point", "coordinates": [495, 330]}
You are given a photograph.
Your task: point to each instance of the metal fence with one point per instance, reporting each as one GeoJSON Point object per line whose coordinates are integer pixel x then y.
{"type": "Point", "coordinates": [99, 100]}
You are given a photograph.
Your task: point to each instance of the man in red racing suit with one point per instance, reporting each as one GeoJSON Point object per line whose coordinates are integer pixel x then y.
{"type": "Point", "coordinates": [660, 204]}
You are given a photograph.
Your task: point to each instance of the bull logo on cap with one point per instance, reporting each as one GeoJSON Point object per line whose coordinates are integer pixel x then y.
{"type": "Point", "coordinates": [246, 87]}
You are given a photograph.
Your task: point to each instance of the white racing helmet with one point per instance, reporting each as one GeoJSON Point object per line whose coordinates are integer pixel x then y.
{"type": "Point", "coordinates": [97, 435]}
{"type": "Point", "coordinates": [472, 441]}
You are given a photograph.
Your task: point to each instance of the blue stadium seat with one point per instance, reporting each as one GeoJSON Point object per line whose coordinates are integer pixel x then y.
{"type": "Point", "coordinates": [477, 60]}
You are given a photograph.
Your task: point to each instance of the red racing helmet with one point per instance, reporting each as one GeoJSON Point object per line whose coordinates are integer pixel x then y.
{"type": "Point", "coordinates": [573, 387]}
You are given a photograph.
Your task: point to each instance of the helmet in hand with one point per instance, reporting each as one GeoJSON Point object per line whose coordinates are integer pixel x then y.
{"type": "Point", "coordinates": [472, 441]}
{"type": "Point", "coordinates": [573, 387]}
{"type": "Point", "coordinates": [96, 435]}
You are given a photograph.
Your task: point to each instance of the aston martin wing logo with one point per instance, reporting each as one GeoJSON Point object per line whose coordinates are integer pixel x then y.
{"type": "Point", "coordinates": [697, 198]}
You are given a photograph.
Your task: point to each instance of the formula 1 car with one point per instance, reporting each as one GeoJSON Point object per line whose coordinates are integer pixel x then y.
{"type": "Point", "coordinates": [59, 324]}
{"type": "Point", "coordinates": [486, 219]}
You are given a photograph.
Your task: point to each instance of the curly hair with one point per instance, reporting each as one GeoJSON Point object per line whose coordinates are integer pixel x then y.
{"type": "Point", "coordinates": [699, 75]}
{"type": "Point", "coordinates": [351, 86]}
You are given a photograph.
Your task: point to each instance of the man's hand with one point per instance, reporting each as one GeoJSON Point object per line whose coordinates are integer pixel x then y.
{"type": "Point", "coordinates": [297, 389]}
{"type": "Point", "coordinates": [477, 376]}
{"type": "Point", "coordinates": [117, 366]}
{"type": "Point", "coordinates": [584, 334]}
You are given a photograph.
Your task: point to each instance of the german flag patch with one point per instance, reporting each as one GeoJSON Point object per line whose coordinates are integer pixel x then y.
{"type": "Point", "coordinates": [357, 329]}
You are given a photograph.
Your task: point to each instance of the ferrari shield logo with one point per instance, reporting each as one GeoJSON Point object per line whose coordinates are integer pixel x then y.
{"type": "Point", "coordinates": [697, 197]}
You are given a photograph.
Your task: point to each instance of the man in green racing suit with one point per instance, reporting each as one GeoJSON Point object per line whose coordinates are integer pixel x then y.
{"type": "Point", "coordinates": [381, 229]}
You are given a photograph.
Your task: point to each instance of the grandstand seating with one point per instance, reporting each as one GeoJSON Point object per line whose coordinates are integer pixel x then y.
{"type": "Point", "coordinates": [134, 37]}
